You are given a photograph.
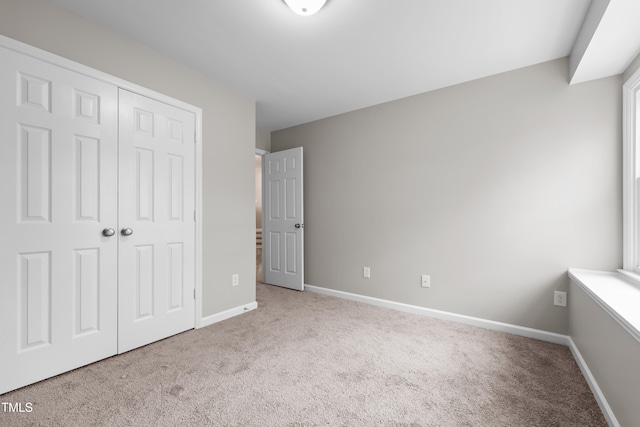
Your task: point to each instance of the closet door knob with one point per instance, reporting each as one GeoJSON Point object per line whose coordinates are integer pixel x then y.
{"type": "Point", "coordinates": [126, 232]}
{"type": "Point", "coordinates": [108, 232]}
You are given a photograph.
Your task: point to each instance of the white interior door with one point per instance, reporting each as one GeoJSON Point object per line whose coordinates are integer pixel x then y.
{"type": "Point", "coordinates": [283, 226]}
{"type": "Point", "coordinates": [58, 186]}
{"type": "Point", "coordinates": [157, 205]}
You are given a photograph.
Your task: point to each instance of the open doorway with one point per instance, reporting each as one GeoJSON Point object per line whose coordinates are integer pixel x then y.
{"type": "Point", "coordinates": [279, 218]}
{"type": "Point", "coordinates": [258, 172]}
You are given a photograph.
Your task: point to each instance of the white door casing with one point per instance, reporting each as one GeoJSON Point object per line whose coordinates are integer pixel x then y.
{"type": "Point", "coordinates": [59, 186]}
{"type": "Point", "coordinates": [283, 226]}
{"type": "Point", "coordinates": [157, 203]}
{"type": "Point", "coordinates": [58, 183]}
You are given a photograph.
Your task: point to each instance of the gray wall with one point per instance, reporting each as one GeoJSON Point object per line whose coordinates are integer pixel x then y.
{"type": "Point", "coordinates": [493, 187]}
{"type": "Point", "coordinates": [228, 134]}
{"type": "Point", "coordinates": [611, 353]}
{"type": "Point", "coordinates": [263, 139]}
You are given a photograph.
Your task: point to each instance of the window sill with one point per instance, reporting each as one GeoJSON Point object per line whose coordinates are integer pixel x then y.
{"type": "Point", "coordinates": [616, 292]}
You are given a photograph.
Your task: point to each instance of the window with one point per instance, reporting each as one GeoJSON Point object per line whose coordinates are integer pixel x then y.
{"type": "Point", "coordinates": [618, 297]}
{"type": "Point", "coordinates": [631, 174]}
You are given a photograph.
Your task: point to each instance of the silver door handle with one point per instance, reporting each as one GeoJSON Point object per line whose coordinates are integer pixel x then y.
{"type": "Point", "coordinates": [108, 232]}
{"type": "Point", "coordinates": [126, 232]}
{"type": "Point", "coordinates": [299, 226]}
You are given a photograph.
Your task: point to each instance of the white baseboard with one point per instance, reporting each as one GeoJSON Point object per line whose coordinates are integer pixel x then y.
{"type": "Point", "coordinates": [445, 315]}
{"type": "Point", "coordinates": [227, 314]}
{"type": "Point", "coordinates": [593, 385]}
{"type": "Point", "coordinates": [487, 324]}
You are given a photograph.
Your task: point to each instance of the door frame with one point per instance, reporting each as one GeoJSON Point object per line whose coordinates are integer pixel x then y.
{"type": "Point", "coordinates": [61, 62]}
{"type": "Point", "coordinates": [262, 153]}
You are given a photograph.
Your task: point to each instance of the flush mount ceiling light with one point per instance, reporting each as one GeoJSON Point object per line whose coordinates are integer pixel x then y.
{"type": "Point", "coordinates": [305, 7]}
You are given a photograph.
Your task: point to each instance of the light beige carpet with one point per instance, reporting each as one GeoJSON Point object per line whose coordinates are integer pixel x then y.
{"type": "Point", "coordinates": [307, 359]}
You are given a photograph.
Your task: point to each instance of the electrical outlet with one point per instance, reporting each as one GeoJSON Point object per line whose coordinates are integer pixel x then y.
{"type": "Point", "coordinates": [235, 280]}
{"type": "Point", "coordinates": [560, 299]}
{"type": "Point", "coordinates": [426, 281]}
{"type": "Point", "coordinates": [366, 272]}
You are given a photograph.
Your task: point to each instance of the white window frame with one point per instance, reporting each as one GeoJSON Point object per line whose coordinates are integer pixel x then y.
{"type": "Point", "coordinates": [631, 174]}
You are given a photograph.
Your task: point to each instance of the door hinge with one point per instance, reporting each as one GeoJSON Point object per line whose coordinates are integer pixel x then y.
{"type": "Point", "coordinates": [194, 216]}
{"type": "Point", "coordinates": [194, 293]}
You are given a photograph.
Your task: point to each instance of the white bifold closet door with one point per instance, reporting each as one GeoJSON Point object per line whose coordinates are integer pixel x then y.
{"type": "Point", "coordinates": [157, 203]}
{"type": "Point", "coordinates": [73, 288]}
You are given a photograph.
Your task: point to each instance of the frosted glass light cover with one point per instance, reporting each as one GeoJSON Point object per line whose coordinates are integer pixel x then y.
{"type": "Point", "coordinates": [305, 7]}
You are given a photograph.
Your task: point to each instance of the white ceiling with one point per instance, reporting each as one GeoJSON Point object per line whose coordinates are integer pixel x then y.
{"type": "Point", "coordinates": [608, 40]}
{"type": "Point", "coordinates": [352, 54]}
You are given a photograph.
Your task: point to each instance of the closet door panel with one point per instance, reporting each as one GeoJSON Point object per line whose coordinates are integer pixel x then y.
{"type": "Point", "coordinates": [58, 186]}
{"type": "Point", "coordinates": [157, 204]}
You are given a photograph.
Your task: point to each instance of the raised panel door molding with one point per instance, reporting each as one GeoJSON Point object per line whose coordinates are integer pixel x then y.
{"type": "Point", "coordinates": [58, 193]}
